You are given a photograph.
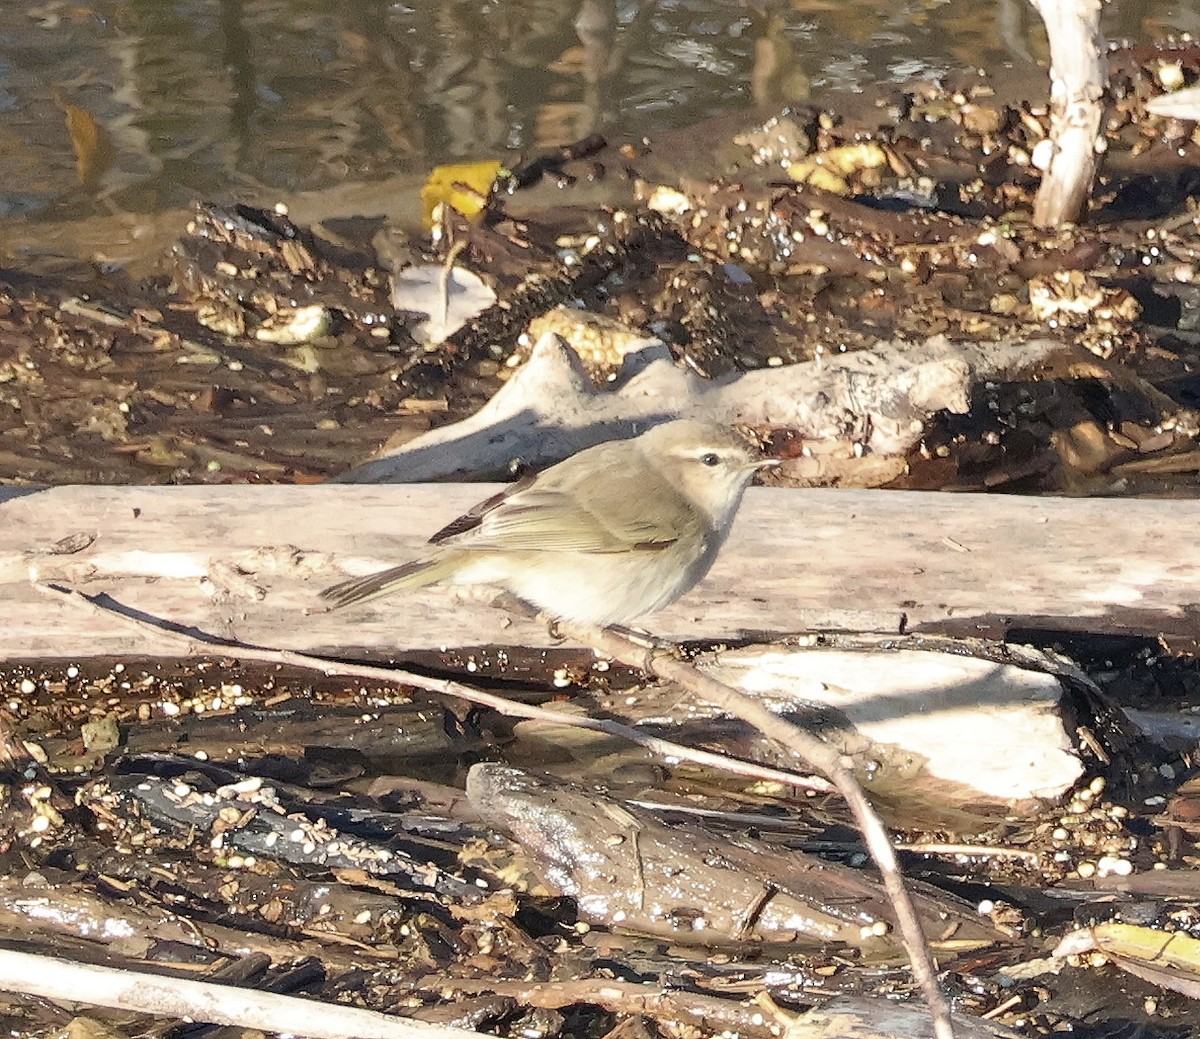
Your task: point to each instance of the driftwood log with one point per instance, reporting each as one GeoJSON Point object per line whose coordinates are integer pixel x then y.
{"type": "Point", "coordinates": [1078, 79]}
{"type": "Point", "coordinates": [246, 564]}
{"type": "Point", "coordinates": [552, 408]}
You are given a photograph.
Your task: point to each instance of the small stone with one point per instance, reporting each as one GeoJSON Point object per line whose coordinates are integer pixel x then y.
{"type": "Point", "coordinates": [982, 119]}
{"type": "Point", "coordinates": [1169, 75]}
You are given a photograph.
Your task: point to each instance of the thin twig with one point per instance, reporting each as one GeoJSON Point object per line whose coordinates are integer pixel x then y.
{"type": "Point", "coordinates": [197, 647]}
{"type": "Point", "coordinates": [815, 754]}
{"type": "Point", "coordinates": [812, 751]}
{"type": "Point", "coordinates": [446, 277]}
{"type": "Point", "coordinates": [57, 979]}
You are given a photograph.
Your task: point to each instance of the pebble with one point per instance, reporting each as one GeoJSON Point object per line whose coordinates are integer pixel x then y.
{"type": "Point", "coordinates": [1113, 866]}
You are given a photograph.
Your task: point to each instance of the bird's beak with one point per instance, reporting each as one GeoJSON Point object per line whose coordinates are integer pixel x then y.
{"type": "Point", "coordinates": [759, 464]}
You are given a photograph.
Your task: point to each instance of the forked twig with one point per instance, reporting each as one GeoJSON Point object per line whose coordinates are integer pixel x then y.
{"type": "Point", "coordinates": [807, 748]}
{"type": "Point", "coordinates": [815, 754]}
{"type": "Point", "coordinates": [197, 647]}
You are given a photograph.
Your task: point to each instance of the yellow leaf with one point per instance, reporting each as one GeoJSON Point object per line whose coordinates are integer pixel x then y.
{"type": "Point", "coordinates": [829, 170]}
{"type": "Point", "coordinates": [465, 187]}
{"type": "Point", "coordinates": [1165, 949]}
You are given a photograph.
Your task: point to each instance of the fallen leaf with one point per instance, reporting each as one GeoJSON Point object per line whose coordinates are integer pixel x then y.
{"type": "Point", "coordinates": [94, 151]}
{"type": "Point", "coordinates": [465, 187]}
{"type": "Point", "coordinates": [450, 299]}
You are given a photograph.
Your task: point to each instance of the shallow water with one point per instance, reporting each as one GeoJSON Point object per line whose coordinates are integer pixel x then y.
{"type": "Point", "coordinates": [261, 98]}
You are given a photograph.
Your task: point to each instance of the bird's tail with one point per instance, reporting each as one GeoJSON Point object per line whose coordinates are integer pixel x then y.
{"type": "Point", "coordinates": [408, 577]}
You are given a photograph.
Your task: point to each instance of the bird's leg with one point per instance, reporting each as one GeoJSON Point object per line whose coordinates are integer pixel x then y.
{"type": "Point", "coordinates": [652, 647]}
{"type": "Point", "coordinates": [646, 640]}
{"type": "Point", "coordinates": [518, 607]}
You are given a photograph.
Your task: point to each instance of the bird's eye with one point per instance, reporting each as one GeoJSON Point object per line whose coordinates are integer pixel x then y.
{"type": "Point", "coordinates": [710, 459]}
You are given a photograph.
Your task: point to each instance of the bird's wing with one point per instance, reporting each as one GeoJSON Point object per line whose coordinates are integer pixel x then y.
{"type": "Point", "coordinates": [471, 519]}
{"type": "Point", "coordinates": [552, 521]}
{"type": "Point", "coordinates": [550, 513]}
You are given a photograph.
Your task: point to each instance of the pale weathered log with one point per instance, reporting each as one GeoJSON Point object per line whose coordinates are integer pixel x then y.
{"type": "Point", "coordinates": [1071, 154]}
{"type": "Point", "coordinates": [551, 408]}
{"type": "Point", "coordinates": [246, 563]}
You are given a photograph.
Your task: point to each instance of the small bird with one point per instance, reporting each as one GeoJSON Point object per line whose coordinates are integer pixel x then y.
{"type": "Point", "coordinates": [614, 532]}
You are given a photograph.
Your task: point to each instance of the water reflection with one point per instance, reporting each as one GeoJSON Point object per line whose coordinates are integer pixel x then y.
{"type": "Point", "coordinates": [255, 98]}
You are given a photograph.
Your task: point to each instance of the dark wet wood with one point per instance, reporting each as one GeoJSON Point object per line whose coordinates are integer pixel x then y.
{"type": "Point", "coordinates": [247, 563]}
{"type": "Point", "coordinates": [630, 872]}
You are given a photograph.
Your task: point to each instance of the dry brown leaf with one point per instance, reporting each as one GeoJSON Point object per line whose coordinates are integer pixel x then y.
{"type": "Point", "coordinates": [94, 151]}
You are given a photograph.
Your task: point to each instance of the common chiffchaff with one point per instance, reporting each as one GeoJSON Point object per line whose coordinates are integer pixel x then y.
{"type": "Point", "coordinates": [616, 531]}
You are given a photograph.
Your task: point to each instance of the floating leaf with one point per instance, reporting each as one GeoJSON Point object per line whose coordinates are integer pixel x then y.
{"type": "Point", "coordinates": [94, 151]}
{"type": "Point", "coordinates": [1167, 958]}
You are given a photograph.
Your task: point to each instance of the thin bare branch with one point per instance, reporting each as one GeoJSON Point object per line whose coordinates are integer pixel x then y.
{"type": "Point", "coordinates": [57, 979]}
{"type": "Point", "coordinates": [807, 748]}
{"type": "Point", "coordinates": [815, 754]}
{"type": "Point", "coordinates": [197, 647]}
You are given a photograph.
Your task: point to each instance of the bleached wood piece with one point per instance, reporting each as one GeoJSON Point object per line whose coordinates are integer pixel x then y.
{"type": "Point", "coordinates": [1078, 79]}
{"type": "Point", "coordinates": [1180, 104]}
{"type": "Point", "coordinates": [246, 563]}
{"type": "Point", "coordinates": [939, 729]}
{"type": "Point", "coordinates": [92, 985]}
{"type": "Point", "coordinates": [551, 407]}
